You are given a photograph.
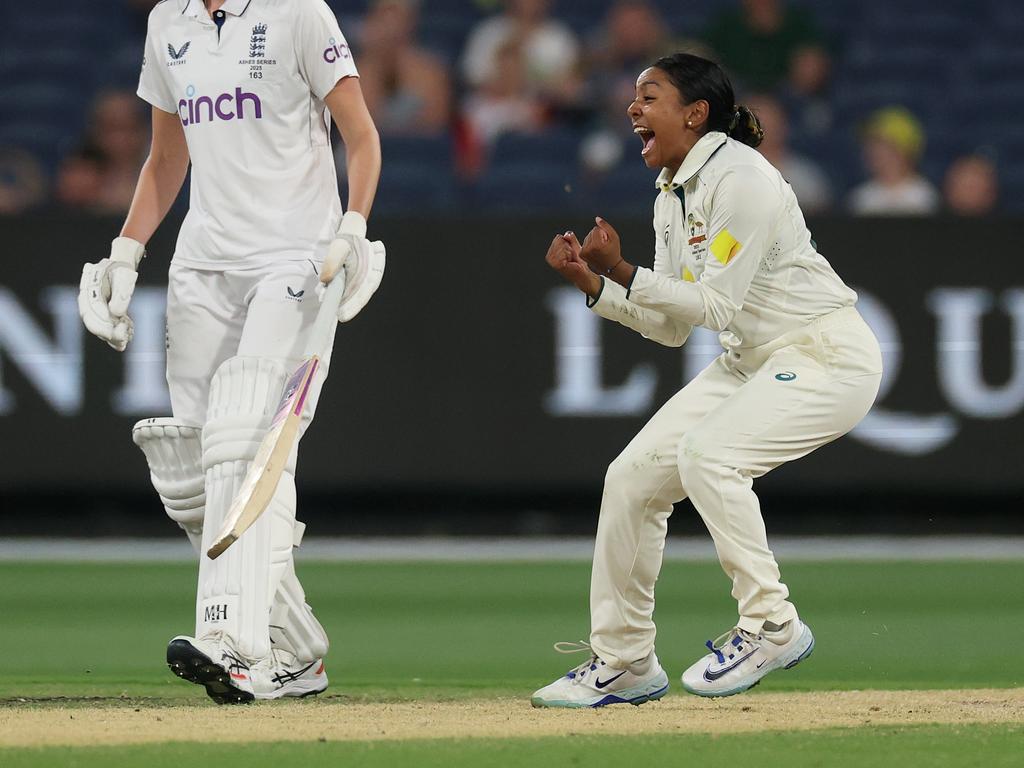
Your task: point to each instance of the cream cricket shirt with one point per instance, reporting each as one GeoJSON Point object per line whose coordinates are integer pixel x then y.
{"type": "Point", "coordinates": [732, 253]}
{"type": "Point", "coordinates": [249, 93]}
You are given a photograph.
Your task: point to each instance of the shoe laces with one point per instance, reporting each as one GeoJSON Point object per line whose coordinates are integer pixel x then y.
{"type": "Point", "coordinates": [732, 642]}
{"type": "Point", "coordinates": [229, 659]}
{"type": "Point", "coordinates": [578, 673]}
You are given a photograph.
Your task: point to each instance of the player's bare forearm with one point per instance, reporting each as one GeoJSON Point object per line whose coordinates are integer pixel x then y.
{"type": "Point", "coordinates": [363, 168]}
{"type": "Point", "coordinates": [160, 180]}
{"type": "Point", "coordinates": [362, 143]}
{"type": "Point", "coordinates": [158, 186]}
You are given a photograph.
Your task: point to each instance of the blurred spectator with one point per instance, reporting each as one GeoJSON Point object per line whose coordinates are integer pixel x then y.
{"type": "Point", "coordinates": [549, 48]}
{"type": "Point", "coordinates": [631, 38]}
{"type": "Point", "coordinates": [101, 175]}
{"type": "Point", "coordinates": [22, 181]}
{"type": "Point", "coordinates": [503, 102]}
{"type": "Point", "coordinates": [766, 45]}
{"type": "Point", "coordinates": [117, 129]}
{"type": "Point", "coordinates": [79, 182]}
{"type": "Point", "coordinates": [893, 141]}
{"type": "Point", "coordinates": [407, 87]}
{"type": "Point", "coordinates": [971, 186]}
{"type": "Point", "coordinates": [809, 182]}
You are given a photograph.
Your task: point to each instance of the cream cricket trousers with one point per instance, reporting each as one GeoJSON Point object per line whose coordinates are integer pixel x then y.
{"type": "Point", "coordinates": [751, 410]}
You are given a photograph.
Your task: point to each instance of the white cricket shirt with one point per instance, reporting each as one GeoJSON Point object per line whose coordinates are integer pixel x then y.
{"type": "Point", "coordinates": [249, 95]}
{"type": "Point", "coordinates": [732, 253]}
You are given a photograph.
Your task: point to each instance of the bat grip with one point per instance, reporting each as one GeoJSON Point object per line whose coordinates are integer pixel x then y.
{"type": "Point", "coordinates": [326, 317]}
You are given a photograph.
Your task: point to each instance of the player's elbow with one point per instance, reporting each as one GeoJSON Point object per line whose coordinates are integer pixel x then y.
{"type": "Point", "coordinates": [718, 312]}
{"type": "Point", "coordinates": [676, 339]}
{"type": "Point", "coordinates": [363, 146]}
{"type": "Point", "coordinates": [718, 321]}
{"type": "Point", "coordinates": [672, 335]}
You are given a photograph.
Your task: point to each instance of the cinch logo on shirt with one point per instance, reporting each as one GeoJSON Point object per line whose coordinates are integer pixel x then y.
{"type": "Point", "coordinates": [226, 106]}
{"type": "Point", "coordinates": [334, 52]}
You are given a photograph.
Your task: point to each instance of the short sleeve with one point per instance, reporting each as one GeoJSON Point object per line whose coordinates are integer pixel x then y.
{"type": "Point", "coordinates": [323, 54]}
{"type": "Point", "coordinates": [153, 87]}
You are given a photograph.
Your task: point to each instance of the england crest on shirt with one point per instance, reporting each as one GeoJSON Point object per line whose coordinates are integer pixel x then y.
{"type": "Point", "coordinates": [257, 52]}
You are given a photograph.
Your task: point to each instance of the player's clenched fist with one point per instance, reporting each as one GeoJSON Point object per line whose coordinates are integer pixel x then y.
{"type": "Point", "coordinates": [106, 289]}
{"type": "Point", "coordinates": [564, 257]}
{"type": "Point", "coordinates": [601, 249]}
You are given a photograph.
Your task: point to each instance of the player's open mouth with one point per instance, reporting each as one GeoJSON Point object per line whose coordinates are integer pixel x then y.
{"type": "Point", "coordinates": [646, 136]}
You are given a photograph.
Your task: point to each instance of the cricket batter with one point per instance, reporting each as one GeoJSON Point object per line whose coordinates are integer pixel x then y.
{"type": "Point", "coordinates": [245, 91]}
{"type": "Point", "coordinates": [800, 369]}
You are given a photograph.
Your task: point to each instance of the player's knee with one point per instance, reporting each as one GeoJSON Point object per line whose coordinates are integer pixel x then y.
{"type": "Point", "coordinates": [695, 459]}
{"type": "Point", "coordinates": [173, 450]}
{"type": "Point", "coordinates": [618, 473]}
{"type": "Point", "coordinates": [632, 472]}
{"type": "Point", "coordinates": [244, 395]}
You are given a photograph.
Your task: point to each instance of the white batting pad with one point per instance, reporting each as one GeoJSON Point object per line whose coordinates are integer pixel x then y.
{"type": "Point", "coordinates": [174, 453]}
{"type": "Point", "coordinates": [236, 590]}
{"type": "Point", "coordinates": [293, 626]}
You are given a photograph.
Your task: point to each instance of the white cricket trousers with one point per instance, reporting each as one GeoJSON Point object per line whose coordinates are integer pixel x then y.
{"type": "Point", "coordinates": [262, 316]}
{"type": "Point", "coordinates": [213, 315]}
{"type": "Point", "coordinates": [748, 412]}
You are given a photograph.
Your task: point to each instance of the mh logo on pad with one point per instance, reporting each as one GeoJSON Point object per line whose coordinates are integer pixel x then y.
{"type": "Point", "coordinates": [215, 613]}
{"type": "Point", "coordinates": [225, 106]}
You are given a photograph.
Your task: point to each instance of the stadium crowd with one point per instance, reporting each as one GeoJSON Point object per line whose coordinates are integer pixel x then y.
{"type": "Point", "coordinates": [519, 105]}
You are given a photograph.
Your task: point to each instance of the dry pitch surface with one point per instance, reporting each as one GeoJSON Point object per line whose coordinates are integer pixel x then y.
{"type": "Point", "coordinates": [25, 723]}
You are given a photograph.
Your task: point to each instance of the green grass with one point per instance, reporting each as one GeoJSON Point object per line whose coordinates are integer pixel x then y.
{"type": "Point", "coordinates": [430, 630]}
{"type": "Point", "coordinates": [933, 746]}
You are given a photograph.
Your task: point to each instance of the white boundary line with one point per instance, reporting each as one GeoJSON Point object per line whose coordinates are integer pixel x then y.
{"type": "Point", "coordinates": [474, 549]}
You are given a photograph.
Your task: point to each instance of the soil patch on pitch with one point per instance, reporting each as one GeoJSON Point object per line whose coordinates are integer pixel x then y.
{"type": "Point", "coordinates": [343, 720]}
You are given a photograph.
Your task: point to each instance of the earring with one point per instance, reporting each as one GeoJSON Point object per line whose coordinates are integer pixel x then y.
{"type": "Point", "coordinates": [689, 124]}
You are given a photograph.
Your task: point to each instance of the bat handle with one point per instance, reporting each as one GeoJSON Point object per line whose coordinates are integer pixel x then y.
{"type": "Point", "coordinates": [326, 317]}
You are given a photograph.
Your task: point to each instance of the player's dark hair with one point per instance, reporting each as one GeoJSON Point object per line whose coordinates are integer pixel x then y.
{"type": "Point", "coordinates": [698, 78]}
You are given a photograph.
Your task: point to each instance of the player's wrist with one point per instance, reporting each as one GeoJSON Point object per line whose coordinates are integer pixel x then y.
{"type": "Point", "coordinates": [127, 251]}
{"type": "Point", "coordinates": [352, 223]}
{"type": "Point", "coordinates": [622, 272]}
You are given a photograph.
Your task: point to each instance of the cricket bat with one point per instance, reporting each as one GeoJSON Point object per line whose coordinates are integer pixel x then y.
{"type": "Point", "coordinates": [260, 482]}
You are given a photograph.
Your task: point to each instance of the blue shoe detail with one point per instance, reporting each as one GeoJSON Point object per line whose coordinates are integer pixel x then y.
{"type": "Point", "coordinates": [802, 656]}
{"type": "Point", "coordinates": [611, 698]}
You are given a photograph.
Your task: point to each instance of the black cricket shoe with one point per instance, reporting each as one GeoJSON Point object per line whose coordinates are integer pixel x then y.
{"type": "Point", "coordinates": [227, 681]}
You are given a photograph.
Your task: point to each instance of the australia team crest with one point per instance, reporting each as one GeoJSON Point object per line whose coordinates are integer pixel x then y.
{"type": "Point", "coordinates": [697, 235]}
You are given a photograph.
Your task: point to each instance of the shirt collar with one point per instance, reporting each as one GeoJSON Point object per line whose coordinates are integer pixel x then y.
{"type": "Point", "coordinates": [696, 159]}
{"type": "Point", "coordinates": [234, 7]}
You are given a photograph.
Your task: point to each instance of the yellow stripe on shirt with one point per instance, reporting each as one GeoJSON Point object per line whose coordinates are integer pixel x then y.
{"type": "Point", "coordinates": [688, 275]}
{"type": "Point", "coordinates": [725, 246]}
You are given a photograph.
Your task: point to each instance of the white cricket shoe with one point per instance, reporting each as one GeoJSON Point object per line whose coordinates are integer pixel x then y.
{"type": "Point", "coordinates": [281, 674]}
{"type": "Point", "coordinates": [229, 678]}
{"type": "Point", "coordinates": [595, 684]}
{"type": "Point", "coordinates": [739, 659]}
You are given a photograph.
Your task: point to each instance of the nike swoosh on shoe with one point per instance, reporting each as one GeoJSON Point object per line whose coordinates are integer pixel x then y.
{"type": "Point", "coordinates": [609, 681]}
{"type": "Point", "coordinates": [712, 676]}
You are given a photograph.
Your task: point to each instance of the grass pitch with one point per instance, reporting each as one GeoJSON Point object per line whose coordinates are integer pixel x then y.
{"type": "Point", "coordinates": [89, 638]}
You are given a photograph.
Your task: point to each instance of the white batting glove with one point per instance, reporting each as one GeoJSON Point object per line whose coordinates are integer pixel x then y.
{"type": "Point", "coordinates": [106, 290]}
{"type": "Point", "coordinates": [362, 261]}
